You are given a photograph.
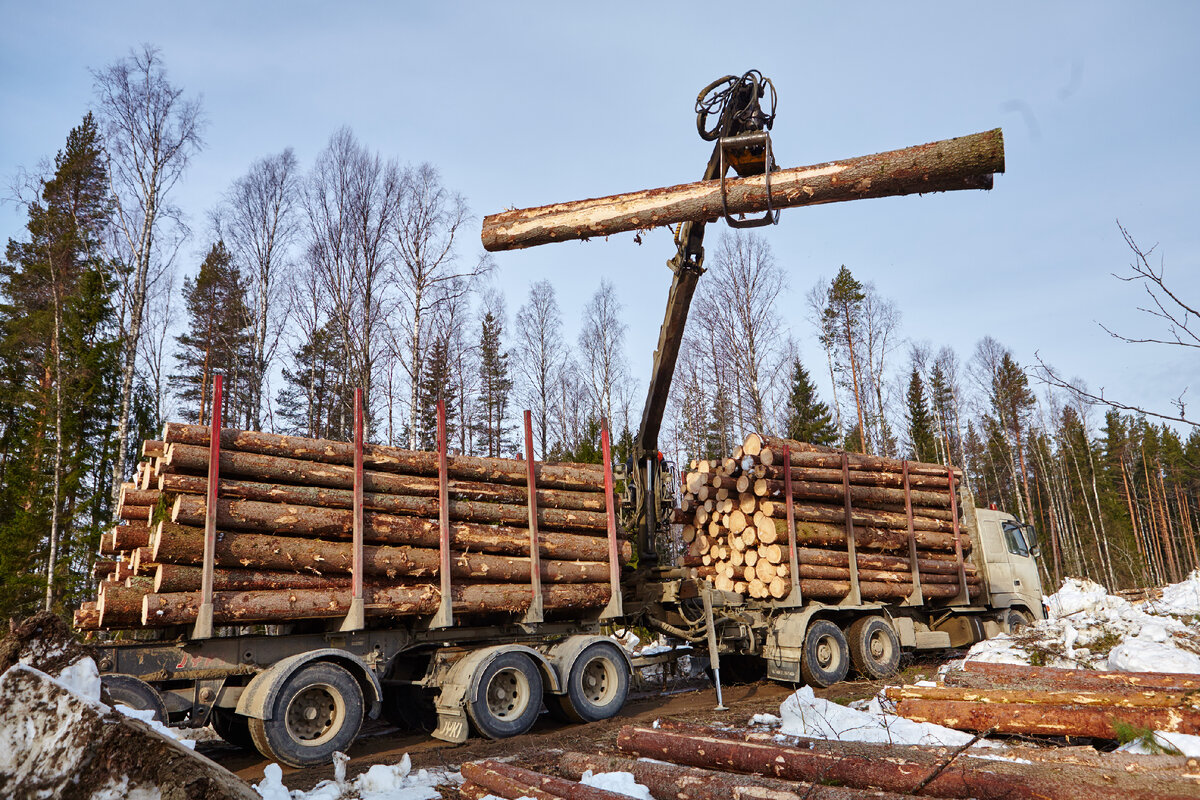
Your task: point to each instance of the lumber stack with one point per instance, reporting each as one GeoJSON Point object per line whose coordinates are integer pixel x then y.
{"type": "Point", "coordinates": [734, 516]}
{"type": "Point", "coordinates": [1045, 701]}
{"type": "Point", "coordinates": [285, 518]}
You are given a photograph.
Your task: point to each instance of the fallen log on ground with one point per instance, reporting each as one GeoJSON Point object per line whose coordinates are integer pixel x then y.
{"type": "Point", "coordinates": [1116, 697]}
{"type": "Point", "coordinates": [236, 608]}
{"type": "Point", "coordinates": [1052, 677]}
{"type": "Point", "coordinates": [506, 780]}
{"type": "Point", "coordinates": [1101, 722]}
{"type": "Point", "coordinates": [966, 162]}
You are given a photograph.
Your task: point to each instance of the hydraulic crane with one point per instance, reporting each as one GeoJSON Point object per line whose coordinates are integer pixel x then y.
{"type": "Point", "coordinates": [740, 128]}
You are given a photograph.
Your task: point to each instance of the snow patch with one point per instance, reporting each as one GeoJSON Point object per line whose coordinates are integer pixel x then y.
{"type": "Point", "coordinates": [619, 782]}
{"type": "Point", "coordinates": [380, 782]}
{"type": "Point", "coordinates": [1186, 744]}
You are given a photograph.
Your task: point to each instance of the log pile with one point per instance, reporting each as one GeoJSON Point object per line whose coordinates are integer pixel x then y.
{"type": "Point", "coordinates": [1043, 701]}
{"type": "Point", "coordinates": [285, 518]}
{"type": "Point", "coordinates": [734, 523]}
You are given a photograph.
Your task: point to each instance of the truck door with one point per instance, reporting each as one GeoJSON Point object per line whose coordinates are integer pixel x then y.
{"type": "Point", "coordinates": [1023, 565]}
{"type": "Point", "coordinates": [995, 552]}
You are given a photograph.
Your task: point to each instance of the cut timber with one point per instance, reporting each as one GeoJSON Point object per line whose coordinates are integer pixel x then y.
{"type": "Point", "coordinates": [1117, 697]}
{"type": "Point", "coordinates": [390, 459]}
{"type": "Point", "coordinates": [1027, 718]}
{"type": "Point", "coordinates": [182, 578]}
{"type": "Point", "coordinates": [692, 783]}
{"type": "Point", "coordinates": [1084, 679]}
{"type": "Point", "coordinates": [967, 162]}
{"type": "Point", "coordinates": [235, 608]}
{"type": "Point", "coordinates": [180, 544]}
{"type": "Point", "coordinates": [506, 780]}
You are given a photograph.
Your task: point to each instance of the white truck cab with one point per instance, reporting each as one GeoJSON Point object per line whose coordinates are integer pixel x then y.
{"type": "Point", "coordinates": [1007, 558]}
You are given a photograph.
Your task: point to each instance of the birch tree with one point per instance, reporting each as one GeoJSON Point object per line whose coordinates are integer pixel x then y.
{"type": "Point", "coordinates": [151, 131]}
{"type": "Point", "coordinates": [538, 355]}
{"type": "Point", "coordinates": [602, 349]}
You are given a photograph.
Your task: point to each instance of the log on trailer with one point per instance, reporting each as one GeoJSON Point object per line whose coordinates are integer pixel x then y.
{"type": "Point", "coordinates": [966, 162]}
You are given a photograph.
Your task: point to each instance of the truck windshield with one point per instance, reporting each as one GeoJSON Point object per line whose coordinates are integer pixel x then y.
{"type": "Point", "coordinates": [1015, 539]}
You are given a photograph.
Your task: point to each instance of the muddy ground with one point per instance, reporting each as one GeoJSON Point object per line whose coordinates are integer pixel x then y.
{"type": "Point", "coordinates": [380, 743]}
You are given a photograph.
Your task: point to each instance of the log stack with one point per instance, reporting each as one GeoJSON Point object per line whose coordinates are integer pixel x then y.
{"type": "Point", "coordinates": [285, 519]}
{"type": "Point", "coordinates": [734, 523]}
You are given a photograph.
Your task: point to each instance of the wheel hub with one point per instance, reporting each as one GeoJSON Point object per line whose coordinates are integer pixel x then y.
{"type": "Point", "coordinates": [314, 714]}
{"type": "Point", "coordinates": [507, 694]}
{"type": "Point", "coordinates": [598, 681]}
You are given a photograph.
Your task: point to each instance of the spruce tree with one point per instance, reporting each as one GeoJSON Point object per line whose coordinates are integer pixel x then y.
{"type": "Point", "coordinates": [920, 425]}
{"type": "Point", "coordinates": [216, 341]}
{"type": "Point", "coordinates": [436, 383]}
{"type": "Point", "coordinates": [808, 419]}
{"type": "Point", "coordinates": [494, 387]}
{"type": "Point", "coordinates": [315, 399]}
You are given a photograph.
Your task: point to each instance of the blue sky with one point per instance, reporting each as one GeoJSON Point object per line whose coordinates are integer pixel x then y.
{"type": "Point", "coordinates": [526, 104]}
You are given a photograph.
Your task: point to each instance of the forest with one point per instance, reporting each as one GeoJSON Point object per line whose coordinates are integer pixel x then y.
{"type": "Point", "coordinates": [357, 271]}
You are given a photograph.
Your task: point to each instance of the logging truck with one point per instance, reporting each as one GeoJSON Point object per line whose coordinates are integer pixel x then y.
{"type": "Point", "coordinates": [871, 561]}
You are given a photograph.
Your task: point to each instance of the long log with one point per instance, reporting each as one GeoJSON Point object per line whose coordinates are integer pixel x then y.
{"type": "Point", "coordinates": [966, 162]}
{"type": "Point", "coordinates": [840, 558]}
{"type": "Point", "coordinates": [509, 781]}
{"type": "Point", "coordinates": [693, 783]}
{"type": "Point", "coordinates": [185, 544]}
{"type": "Point", "coordinates": [810, 490]}
{"type": "Point", "coordinates": [755, 444]}
{"type": "Point", "coordinates": [1083, 679]}
{"type": "Point", "coordinates": [387, 484]}
{"type": "Point", "coordinates": [893, 480]}
{"type": "Point", "coordinates": [887, 576]}
{"type": "Point", "coordinates": [836, 515]}
{"type": "Point", "coordinates": [584, 477]}
{"type": "Point", "coordinates": [275, 468]}
{"type": "Point", "coordinates": [184, 578]}
{"type": "Point", "coordinates": [236, 608]}
{"type": "Point", "coordinates": [889, 768]}
{"type": "Point", "coordinates": [1067, 697]}
{"type": "Point", "coordinates": [878, 590]}
{"type": "Point", "coordinates": [1042, 720]}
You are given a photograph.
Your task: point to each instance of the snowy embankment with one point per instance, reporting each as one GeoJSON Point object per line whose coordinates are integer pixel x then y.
{"type": "Point", "coordinates": [1087, 629]}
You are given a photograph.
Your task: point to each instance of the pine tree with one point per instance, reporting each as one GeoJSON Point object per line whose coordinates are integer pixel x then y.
{"type": "Point", "coordinates": [808, 419]}
{"type": "Point", "coordinates": [920, 426]}
{"type": "Point", "coordinates": [494, 387]}
{"type": "Point", "coordinates": [844, 313]}
{"type": "Point", "coordinates": [216, 342]}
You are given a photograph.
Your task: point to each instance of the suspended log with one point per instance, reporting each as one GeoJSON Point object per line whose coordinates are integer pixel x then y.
{"type": "Point", "coordinates": [1041, 720]}
{"type": "Point", "coordinates": [586, 477]}
{"type": "Point", "coordinates": [182, 578]}
{"type": "Point", "coordinates": [1083, 679]}
{"type": "Point", "coordinates": [890, 768]}
{"type": "Point", "coordinates": [1119, 698]}
{"type": "Point", "coordinates": [184, 544]}
{"type": "Point", "coordinates": [386, 483]}
{"type": "Point", "coordinates": [509, 781]}
{"type": "Point", "coordinates": [235, 608]}
{"type": "Point", "coordinates": [693, 783]}
{"type": "Point", "coordinates": [966, 162]}
{"type": "Point", "coordinates": [282, 469]}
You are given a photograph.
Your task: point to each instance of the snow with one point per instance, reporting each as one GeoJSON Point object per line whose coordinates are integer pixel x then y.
{"type": "Point", "coordinates": [1089, 628]}
{"type": "Point", "coordinates": [770, 720]}
{"type": "Point", "coordinates": [1186, 744]}
{"type": "Point", "coordinates": [619, 782]}
{"type": "Point", "coordinates": [805, 714]}
{"type": "Point", "coordinates": [380, 782]}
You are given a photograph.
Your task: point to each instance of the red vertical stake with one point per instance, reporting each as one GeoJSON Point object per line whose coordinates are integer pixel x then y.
{"type": "Point", "coordinates": [204, 616]}
{"type": "Point", "coordinates": [356, 618]}
{"type": "Point", "coordinates": [535, 556]}
{"type": "Point", "coordinates": [793, 556]}
{"type": "Point", "coordinates": [444, 617]}
{"type": "Point", "coordinates": [615, 607]}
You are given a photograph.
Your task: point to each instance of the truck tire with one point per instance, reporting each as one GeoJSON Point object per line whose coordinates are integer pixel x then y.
{"type": "Point", "coordinates": [127, 690]}
{"type": "Point", "coordinates": [826, 658]}
{"type": "Point", "coordinates": [1016, 619]}
{"type": "Point", "coordinates": [874, 648]}
{"type": "Point", "coordinates": [319, 710]}
{"type": "Point", "coordinates": [597, 685]}
{"type": "Point", "coordinates": [507, 696]}
{"type": "Point", "coordinates": [232, 727]}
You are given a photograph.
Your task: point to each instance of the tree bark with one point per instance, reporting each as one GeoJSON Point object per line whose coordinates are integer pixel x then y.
{"type": "Point", "coordinates": [967, 162]}
{"type": "Point", "coordinates": [514, 782]}
{"type": "Point", "coordinates": [236, 608]}
{"type": "Point", "coordinates": [583, 477]}
{"type": "Point", "coordinates": [181, 544]}
{"type": "Point", "coordinates": [183, 578]}
{"type": "Point", "coordinates": [1082, 679]}
{"type": "Point", "coordinates": [1041, 720]}
{"type": "Point", "coordinates": [1067, 697]}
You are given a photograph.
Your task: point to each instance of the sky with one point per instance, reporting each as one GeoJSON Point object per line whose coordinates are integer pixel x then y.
{"type": "Point", "coordinates": [523, 104]}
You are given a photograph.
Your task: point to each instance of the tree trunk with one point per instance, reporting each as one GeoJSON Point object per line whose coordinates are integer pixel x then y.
{"type": "Point", "coordinates": [1082, 679]}
{"type": "Point", "coordinates": [1117, 697]}
{"type": "Point", "coordinates": [237, 608]}
{"type": "Point", "coordinates": [182, 578]}
{"type": "Point", "coordinates": [1041, 720]}
{"type": "Point", "coordinates": [510, 781]}
{"type": "Point", "coordinates": [967, 162]}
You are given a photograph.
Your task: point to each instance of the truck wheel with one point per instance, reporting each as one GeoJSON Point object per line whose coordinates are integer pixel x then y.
{"type": "Point", "coordinates": [127, 690]}
{"type": "Point", "coordinates": [826, 657]}
{"type": "Point", "coordinates": [507, 696]}
{"type": "Point", "coordinates": [874, 648]}
{"type": "Point", "coordinates": [232, 727]}
{"type": "Point", "coordinates": [318, 711]}
{"type": "Point", "coordinates": [596, 685]}
{"type": "Point", "coordinates": [1016, 619]}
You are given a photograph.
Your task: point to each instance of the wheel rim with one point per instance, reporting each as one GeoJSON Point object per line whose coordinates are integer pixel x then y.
{"type": "Point", "coordinates": [880, 647]}
{"type": "Point", "coordinates": [315, 715]}
{"type": "Point", "coordinates": [827, 653]}
{"type": "Point", "coordinates": [508, 694]}
{"type": "Point", "coordinates": [598, 680]}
